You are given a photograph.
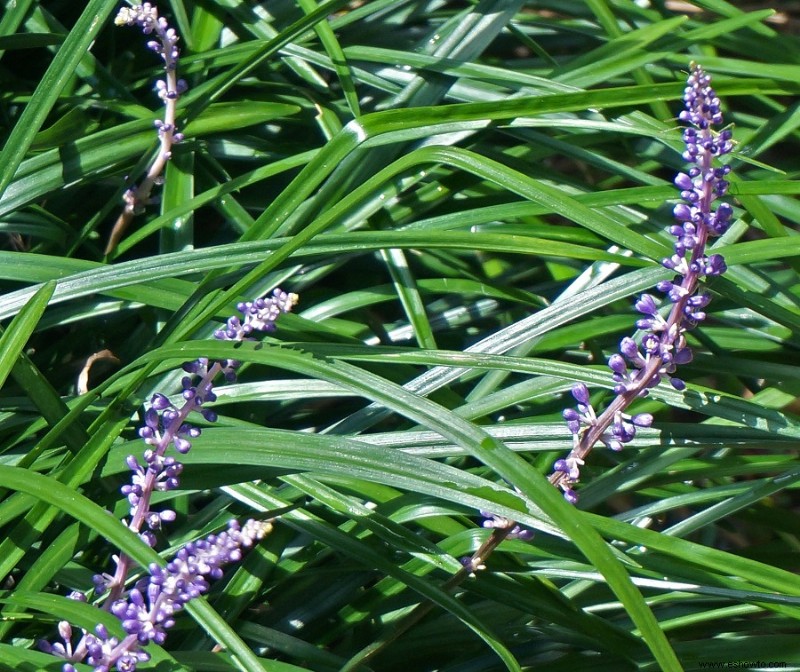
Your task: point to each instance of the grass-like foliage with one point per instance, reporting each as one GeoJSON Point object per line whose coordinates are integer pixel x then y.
{"type": "Point", "coordinates": [469, 198]}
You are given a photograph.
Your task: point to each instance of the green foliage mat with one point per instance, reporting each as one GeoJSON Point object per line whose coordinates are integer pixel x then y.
{"type": "Point", "coordinates": [468, 197]}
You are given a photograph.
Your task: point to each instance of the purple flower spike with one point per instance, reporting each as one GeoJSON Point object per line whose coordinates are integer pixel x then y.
{"type": "Point", "coordinates": [146, 612]}
{"type": "Point", "coordinates": [165, 424]}
{"type": "Point", "coordinates": [640, 366]}
{"type": "Point", "coordinates": [258, 315]}
{"type": "Point", "coordinates": [168, 90]}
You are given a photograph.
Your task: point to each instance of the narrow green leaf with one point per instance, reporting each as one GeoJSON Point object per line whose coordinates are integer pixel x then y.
{"type": "Point", "coordinates": [15, 337]}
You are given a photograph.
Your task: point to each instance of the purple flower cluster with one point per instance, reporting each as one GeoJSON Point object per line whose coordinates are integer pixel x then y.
{"type": "Point", "coordinates": [147, 610]}
{"type": "Point", "coordinates": [258, 315]}
{"type": "Point", "coordinates": [638, 367]}
{"type": "Point", "coordinates": [150, 606]}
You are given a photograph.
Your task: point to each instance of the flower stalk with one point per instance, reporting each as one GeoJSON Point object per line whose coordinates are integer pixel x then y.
{"type": "Point", "coordinates": [169, 90]}
{"type": "Point", "coordinates": [636, 368]}
{"type": "Point", "coordinates": [147, 610]}
{"type": "Point", "coordinates": [639, 367]}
